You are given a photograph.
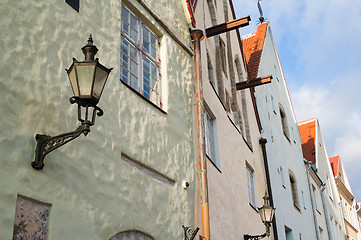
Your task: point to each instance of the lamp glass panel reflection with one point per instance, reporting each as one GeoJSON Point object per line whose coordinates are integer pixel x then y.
{"type": "Point", "coordinates": [101, 76]}
{"type": "Point", "coordinates": [85, 75]}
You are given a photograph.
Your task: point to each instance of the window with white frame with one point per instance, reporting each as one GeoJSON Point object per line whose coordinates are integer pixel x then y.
{"type": "Point", "coordinates": [294, 190]}
{"type": "Point", "coordinates": [139, 58]}
{"type": "Point", "coordinates": [210, 137]}
{"type": "Point", "coordinates": [251, 186]}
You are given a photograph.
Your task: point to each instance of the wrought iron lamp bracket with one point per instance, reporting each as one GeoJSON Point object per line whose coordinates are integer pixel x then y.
{"type": "Point", "coordinates": [256, 237]}
{"type": "Point", "coordinates": [189, 233]}
{"type": "Point", "coordinates": [46, 144]}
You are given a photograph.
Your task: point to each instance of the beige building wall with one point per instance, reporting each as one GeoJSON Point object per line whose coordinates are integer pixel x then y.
{"type": "Point", "coordinates": [236, 131]}
{"type": "Point", "coordinates": [347, 202]}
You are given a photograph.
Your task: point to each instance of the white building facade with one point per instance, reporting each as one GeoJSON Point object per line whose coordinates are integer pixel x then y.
{"type": "Point", "coordinates": [293, 216]}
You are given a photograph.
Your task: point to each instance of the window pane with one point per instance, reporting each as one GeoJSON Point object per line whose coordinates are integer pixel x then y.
{"type": "Point", "coordinates": [134, 82]}
{"type": "Point", "coordinates": [124, 61]}
{"type": "Point", "coordinates": [152, 40]}
{"type": "Point", "coordinates": [125, 27]}
{"type": "Point", "coordinates": [134, 53]}
{"type": "Point", "coordinates": [153, 53]}
{"type": "Point", "coordinates": [146, 78]}
{"type": "Point", "coordinates": [133, 22]}
{"type": "Point", "coordinates": [125, 46]}
{"type": "Point", "coordinates": [154, 84]}
{"type": "Point", "coordinates": [153, 70]}
{"type": "Point", "coordinates": [133, 28]}
{"type": "Point", "coordinates": [125, 14]}
{"type": "Point", "coordinates": [146, 46]}
{"type": "Point", "coordinates": [146, 64]}
{"type": "Point", "coordinates": [124, 75]}
{"type": "Point", "coordinates": [146, 91]}
{"type": "Point", "coordinates": [146, 34]}
{"type": "Point", "coordinates": [134, 68]}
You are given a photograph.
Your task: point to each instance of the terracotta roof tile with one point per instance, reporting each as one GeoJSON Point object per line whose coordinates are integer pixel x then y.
{"type": "Point", "coordinates": [308, 136]}
{"type": "Point", "coordinates": [334, 164]}
{"type": "Point", "coordinates": [252, 47]}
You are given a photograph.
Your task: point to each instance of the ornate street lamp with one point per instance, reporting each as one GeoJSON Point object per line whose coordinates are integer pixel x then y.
{"type": "Point", "coordinates": [266, 212]}
{"type": "Point", "coordinates": [87, 80]}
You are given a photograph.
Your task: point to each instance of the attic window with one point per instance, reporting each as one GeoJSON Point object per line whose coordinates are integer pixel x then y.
{"type": "Point", "coordinates": [284, 122]}
{"type": "Point", "coordinates": [74, 4]}
{"type": "Point", "coordinates": [296, 200]}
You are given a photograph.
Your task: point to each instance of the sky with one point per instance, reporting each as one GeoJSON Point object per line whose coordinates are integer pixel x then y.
{"type": "Point", "coordinates": [319, 45]}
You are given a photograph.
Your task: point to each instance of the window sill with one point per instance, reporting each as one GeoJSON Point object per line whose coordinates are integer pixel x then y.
{"type": "Point", "coordinates": [215, 165]}
{"type": "Point", "coordinates": [297, 208]}
{"type": "Point", "coordinates": [284, 186]}
{"type": "Point", "coordinates": [140, 95]}
{"type": "Point", "coordinates": [287, 137]}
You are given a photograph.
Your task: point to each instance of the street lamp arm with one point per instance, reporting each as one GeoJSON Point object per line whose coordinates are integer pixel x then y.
{"type": "Point", "coordinates": [46, 144]}
{"type": "Point", "coordinates": [256, 237]}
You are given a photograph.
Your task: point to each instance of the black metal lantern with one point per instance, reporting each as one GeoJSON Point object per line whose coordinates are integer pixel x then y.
{"type": "Point", "coordinates": [87, 80]}
{"type": "Point", "coordinates": [266, 212]}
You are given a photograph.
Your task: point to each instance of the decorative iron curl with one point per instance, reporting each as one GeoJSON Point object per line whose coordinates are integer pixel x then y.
{"type": "Point", "coordinates": [189, 233]}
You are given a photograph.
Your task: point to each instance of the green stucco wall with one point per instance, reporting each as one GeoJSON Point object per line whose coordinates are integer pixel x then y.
{"type": "Point", "coordinates": [93, 193]}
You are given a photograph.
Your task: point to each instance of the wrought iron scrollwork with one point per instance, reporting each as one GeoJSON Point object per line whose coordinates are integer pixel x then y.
{"type": "Point", "coordinates": [190, 233]}
{"type": "Point", "coordinates": [256, 237]}
{"type": "Point", "coordinates": [46, 144]}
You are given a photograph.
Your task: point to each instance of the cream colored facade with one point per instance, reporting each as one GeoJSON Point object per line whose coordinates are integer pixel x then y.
{"type": "Point", "coordinates": [233, 212]}
{"type": "Point", "coordinates": [348, 204]}
{"type": "Point", "coordinates": [126, 175]}
{"type": "Point", "coordinates": [316, 188]}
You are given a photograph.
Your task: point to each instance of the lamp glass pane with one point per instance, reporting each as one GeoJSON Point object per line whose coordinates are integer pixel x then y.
{"type": "Point", "coordinates": [85, 78]}
{"type": "Point", "coordinates": [101, 76]}
{"type": "Point", "coordinates": [73, 82]}
{"type": "Point", "coordinates": [262, 214]}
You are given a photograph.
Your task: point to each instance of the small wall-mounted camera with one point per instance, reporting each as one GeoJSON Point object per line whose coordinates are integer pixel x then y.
{"type": "Point", "coordinates": [185, 184]}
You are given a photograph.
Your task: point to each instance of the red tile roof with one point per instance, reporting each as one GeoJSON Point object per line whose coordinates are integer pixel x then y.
{"type": "Point", "coordinates": [334, 164]}
{"type": "Point", "coordinates": [308, 136]}
{"type": "Point", "coordinates": [252, 47]}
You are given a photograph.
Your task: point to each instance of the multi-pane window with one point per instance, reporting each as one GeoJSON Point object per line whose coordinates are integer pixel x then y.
{"type": "Point", "coordinates": [139, 59]}
{"type": "Point", "coordinates": [251, 186]}
{"type": "Point", "coordinates": [209, 136]}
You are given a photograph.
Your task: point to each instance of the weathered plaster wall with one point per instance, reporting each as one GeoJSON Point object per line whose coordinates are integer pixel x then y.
{"type": "Point", "coordinates": [283, 152]}
{"type": "Point", "coordinates": [93, 192]}
{"type": "Point", "coordinates": [231, 215]}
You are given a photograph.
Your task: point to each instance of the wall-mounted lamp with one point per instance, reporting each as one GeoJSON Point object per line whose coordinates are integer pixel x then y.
{"type": "Point", "coordinates": [266, 212]}
{"type": "Point", "coordinates": [87, 80]}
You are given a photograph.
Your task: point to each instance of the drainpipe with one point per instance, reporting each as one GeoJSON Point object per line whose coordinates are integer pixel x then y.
{"type": "Point", "coordinates": [327, 216]}
{"type": "Point", "coordinates": [263, 142]}
{"type": "Point", "coordinates": [197, 36]}
{"type": "Point", "coordinates": [311, 196]}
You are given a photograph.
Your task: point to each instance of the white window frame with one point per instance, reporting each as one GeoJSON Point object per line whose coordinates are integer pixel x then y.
{"type": "Point", "coordinates": [251, 186]}
{"type": "Point", "coordinates": [210, 137]}
{"type": "Point", "coordinates": [137, 51]}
